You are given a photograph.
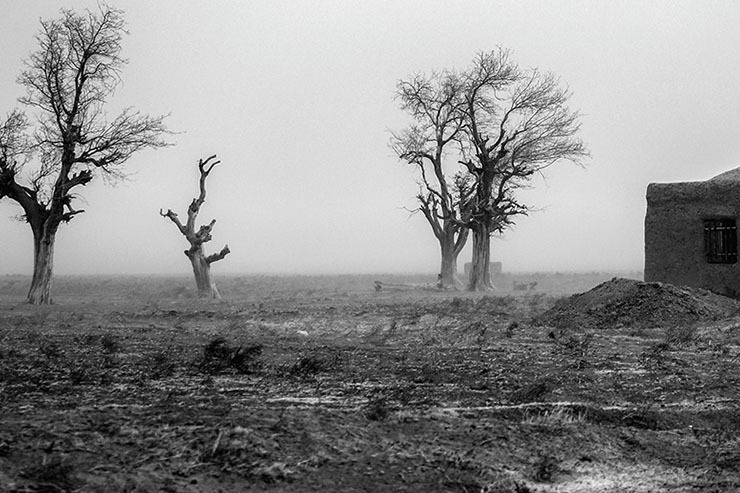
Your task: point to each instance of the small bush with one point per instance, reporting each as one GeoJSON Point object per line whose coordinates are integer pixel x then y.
{"type": "Point", "coordinates": [377, 409]}
{"type": "Point", "coordinates": [576, 346]}
{"type": "Point", "coordinates": [681, 335]}
{"type": "Point", "coordinates": [219, 356]}
{"type": "Point", "coordinates": [79, 375]}
{"type": "Point", "coordinates": [308, 367]}
{"type": "Point", "coordinates": [554, 417]}
{"type": "Point", "coordinates": [110, 343]}
{"type": "Point", "coordinates": [161, 365]}
{"type": "Point", "coordinates": [545, 468]}
{"type": "Point", "coordinates": [91, 372]}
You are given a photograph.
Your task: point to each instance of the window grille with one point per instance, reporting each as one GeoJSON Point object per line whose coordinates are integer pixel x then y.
{"type": "Point", "coordinates": [720, 241]}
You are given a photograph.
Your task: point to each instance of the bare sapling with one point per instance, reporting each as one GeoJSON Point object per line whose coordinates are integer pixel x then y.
{"type": "Point", "coordinates": [200, 261]}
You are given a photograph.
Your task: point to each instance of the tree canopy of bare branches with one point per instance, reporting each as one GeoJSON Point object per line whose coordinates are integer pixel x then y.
{"type": "Point", "coordinates": [67, 82]}
{"type": "Point", "coordinates": [501, 125]}
{"type": "Point", "coordinates": [435, 105]}
{"type": "Point", "coordinates": [201, 262]}
{"type": "Point", "coordinates": [517, 124]}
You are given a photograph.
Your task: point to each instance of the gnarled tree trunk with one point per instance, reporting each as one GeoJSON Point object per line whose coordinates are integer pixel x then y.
{"type": "Point", "coordinates": [202, 271]}
{"type": "Point", "coordinates": [43, 264]}
{"type": "Point", "coordinates": [451, 244]}
{"type": "Point", "coordinates": [448, 268]}
{"type": "Point", "coordinates": [480, 272]}
{"type": "Point", "coordinates": [200, 262]}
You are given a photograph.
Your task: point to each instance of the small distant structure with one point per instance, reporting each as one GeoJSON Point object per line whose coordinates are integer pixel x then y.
{"type": "Point", "coordinates": [495, 268]}
{"type": "Point", "coordinates": [691, 236]}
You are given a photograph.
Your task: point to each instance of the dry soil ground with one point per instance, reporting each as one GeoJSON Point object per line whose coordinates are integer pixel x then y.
{"type": "Point", "coordinates": [322, 384]}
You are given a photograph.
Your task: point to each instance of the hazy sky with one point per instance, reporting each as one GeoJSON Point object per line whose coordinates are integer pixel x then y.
{"type": "Point", "coordinates": [296, 98]}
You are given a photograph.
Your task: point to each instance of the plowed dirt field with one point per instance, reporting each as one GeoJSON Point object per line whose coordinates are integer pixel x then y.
{"type": "Point", "coordinates": [322, 384]}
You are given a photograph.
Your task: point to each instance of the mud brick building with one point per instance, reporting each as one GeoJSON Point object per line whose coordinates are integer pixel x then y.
{"type": "Point", "coordinates": [691, 236]}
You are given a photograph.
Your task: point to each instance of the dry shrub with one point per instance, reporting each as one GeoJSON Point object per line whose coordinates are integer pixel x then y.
{"type": "Point", "coordinates": [533, 392]}
{"type": "Point", "coordinates": [161, 364]}
{"type": "Point", "coordinates": [573, 344]}
{"type": "Point", "coordinates": [681, 335]}
{"type": "Point", "coordinates": [554, 417]}
{"type": "Point", "coordinates": [219, 356]}
{"type": "Point", "coordinates": [545, 468]}
{"type": "Point", "coordinates": [308, 367]}
{"type": "Point", "coordinates": [377, 409]}
{"type": "Point", "coordinates": [110, 343]}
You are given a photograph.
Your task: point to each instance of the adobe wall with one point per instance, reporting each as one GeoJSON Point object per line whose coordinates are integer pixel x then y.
{"type": "Point", "coordinates": [674, 234]}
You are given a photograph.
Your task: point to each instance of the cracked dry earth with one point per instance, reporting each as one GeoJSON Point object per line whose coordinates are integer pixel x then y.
{"type": "Point", "coordinates": [322, 384]}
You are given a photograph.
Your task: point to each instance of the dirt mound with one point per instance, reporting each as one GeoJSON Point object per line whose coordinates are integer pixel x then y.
{"type": "Point", "coordinates": [630, 303]}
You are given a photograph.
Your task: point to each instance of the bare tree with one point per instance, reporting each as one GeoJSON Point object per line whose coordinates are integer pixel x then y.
{"type": "Point", "coordinates": [516, 125]}
{"type": "Point", "coordinates": [67, 81]}
{"type": "Point", "coordinates": [436, 104]}
{"type": "Point", "coordinates": [200, 262]}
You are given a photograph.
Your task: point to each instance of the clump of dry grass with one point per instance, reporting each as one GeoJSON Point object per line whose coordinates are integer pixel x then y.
{"type": "Point", "coordinates": [377, 409]}
{"type": "Point", "coordinates": [110, 343]}
{"type": "Point", "coordinates": [219, 356]}
{"type": "Point", "coordinates": [554, 417]}
{"type": "Point", "coordinates": [308, 367]}
{"type": "Point", "coordinates": [681, 335]}
{"type": "Point", "coordinates": [545, 467]}
{"type": "Point", "coordinates": [162, 364]}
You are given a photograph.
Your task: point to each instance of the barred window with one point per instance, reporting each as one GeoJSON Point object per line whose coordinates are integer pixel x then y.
{"type": "Point", "coordinates": [720, 240]}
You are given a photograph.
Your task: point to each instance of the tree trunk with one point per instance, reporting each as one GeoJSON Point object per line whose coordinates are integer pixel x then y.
{"type": "Point", "coordinates": [202, 270]}
{"type": "Point", "coordinates": [480, 272]}
{"type": "Point", "coordinates": [451, 242]}
{"type": "Point", "coordinates": [43, 263]}
{"type": "Point", "coordinates": [448, 268]}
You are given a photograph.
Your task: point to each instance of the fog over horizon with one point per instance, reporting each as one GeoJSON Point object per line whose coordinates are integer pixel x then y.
{"type": "Point", "coordinates": [296, 99]}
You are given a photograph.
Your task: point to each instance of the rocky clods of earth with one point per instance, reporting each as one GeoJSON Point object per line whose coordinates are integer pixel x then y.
{"type": "Point", "coordinates": [630, 303]}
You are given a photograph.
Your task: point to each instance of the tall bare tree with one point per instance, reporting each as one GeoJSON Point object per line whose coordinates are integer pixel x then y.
{"type": "Point", "coordinates": [517, 123]}
{"type": "Point", "coordinates": [200, 261]}
{"type": "Point", "coordinates": [68, 80]}
{"type": "Point", "coordinates": [436, 103]}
